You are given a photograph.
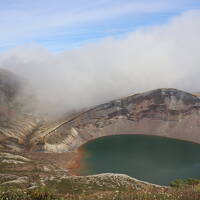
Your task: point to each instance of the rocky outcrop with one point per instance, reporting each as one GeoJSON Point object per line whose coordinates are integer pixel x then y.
{"type": "Point", "coordinates": [14, 157]}
{"type": "Point", "coordinates": [164, 112]}
{"type": "Point", "coordinates": [110, 180]}
{"type": "Point", "coordinates": [17, 182]}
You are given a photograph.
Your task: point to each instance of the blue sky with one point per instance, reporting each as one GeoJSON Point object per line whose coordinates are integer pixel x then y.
{"type": "Point", "coordinates": [127, 47]}
{"type": "Point", "coordinates": [64, 24]}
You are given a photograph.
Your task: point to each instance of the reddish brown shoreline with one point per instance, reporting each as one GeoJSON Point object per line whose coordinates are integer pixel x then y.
{"type": "Point", "coordinates": [76, 163]}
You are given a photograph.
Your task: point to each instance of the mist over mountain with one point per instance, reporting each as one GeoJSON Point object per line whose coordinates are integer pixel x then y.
{"type": "Point", "coordinates": [149, 58]}
{"type": "Point", "coordinates": [76, 73]}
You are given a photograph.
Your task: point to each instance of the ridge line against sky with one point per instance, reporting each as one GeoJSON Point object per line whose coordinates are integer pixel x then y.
{"type": "Point", "coordinates": [62, 25]}
{"type": "Point", "coordinates": [154, 56]}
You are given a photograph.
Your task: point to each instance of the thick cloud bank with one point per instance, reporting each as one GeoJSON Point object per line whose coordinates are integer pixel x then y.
{"type": "Point", "coordinates": [153, 57]}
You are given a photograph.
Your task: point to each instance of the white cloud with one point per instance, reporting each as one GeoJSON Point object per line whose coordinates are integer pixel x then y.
{"type": "Point", "coordinates": [27, 21]}
{"type": "Point", "coordinates": [152, 57]}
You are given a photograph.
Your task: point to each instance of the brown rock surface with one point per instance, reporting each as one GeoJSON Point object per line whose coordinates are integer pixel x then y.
{"type": "Point", "coordinates": [164, 112]}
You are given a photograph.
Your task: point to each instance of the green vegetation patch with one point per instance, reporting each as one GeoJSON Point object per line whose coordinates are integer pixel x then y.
{"type": "Point", "coordinates": [184, 182]}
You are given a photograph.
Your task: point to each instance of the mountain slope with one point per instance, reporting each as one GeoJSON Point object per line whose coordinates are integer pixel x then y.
{"type": "Point", "coordinates": [31, 145]}
{"type": "Point", "coordinates": [15, 122]}
{"type": "Point", "coordinates": [164, 112]}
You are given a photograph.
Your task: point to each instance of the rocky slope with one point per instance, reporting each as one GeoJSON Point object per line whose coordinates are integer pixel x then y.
{"type": "Point", "coordinates": [15, 122]}
{"type": "Point", "coordinates": [164, 112]}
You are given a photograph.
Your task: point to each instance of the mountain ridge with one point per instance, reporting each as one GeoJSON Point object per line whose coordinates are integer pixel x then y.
{"type": "Point", "coordinates": [170, 106]}
{"type": "Point", "coordinates": [160, 112]}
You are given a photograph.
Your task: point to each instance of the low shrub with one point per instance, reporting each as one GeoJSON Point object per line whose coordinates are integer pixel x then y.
{"type": "Point", "coordinates": [184, 182]}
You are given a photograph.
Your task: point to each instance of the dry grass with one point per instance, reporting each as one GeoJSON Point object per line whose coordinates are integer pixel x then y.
{"type": "Point", "coordinates": [186, 192]}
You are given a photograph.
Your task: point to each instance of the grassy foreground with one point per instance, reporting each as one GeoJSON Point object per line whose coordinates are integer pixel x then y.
{"type": "Point", "coordinates": [180, 190]}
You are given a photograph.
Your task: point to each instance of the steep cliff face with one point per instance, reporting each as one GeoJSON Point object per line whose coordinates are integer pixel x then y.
{"type": "Point", "coordinates": [164, 112]}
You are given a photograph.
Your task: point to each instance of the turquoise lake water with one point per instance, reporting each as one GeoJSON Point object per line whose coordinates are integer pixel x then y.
{"type": "Point", "coordinates": [154, 159]}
